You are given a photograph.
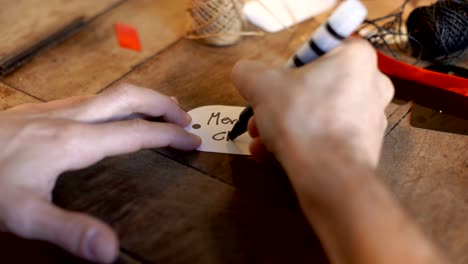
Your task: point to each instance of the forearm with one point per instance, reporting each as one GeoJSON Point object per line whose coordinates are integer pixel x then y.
{"type": "Point", "coordinates": [355, 217]}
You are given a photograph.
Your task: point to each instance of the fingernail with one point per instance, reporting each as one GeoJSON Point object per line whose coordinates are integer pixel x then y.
{"type": "Point", "coordinates": [175, 100]}
{"type": "Point", "coordinates": [100, 247]}
{"type": "Point", "coordinates": [188, 118]}
{"type": "Point", "coordinates": [197, 138]}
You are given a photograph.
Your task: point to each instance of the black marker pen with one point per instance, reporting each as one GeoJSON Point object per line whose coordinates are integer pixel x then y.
{"type": "Point", "coordinates": [344, 21]}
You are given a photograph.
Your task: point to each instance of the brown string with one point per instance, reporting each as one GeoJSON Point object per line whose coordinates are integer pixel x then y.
{"type": "Point", "coordinates": [217, 22]}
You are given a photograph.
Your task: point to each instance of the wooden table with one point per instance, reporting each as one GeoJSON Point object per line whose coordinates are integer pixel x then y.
{"type": "Point", "coordinates": [176, 207]}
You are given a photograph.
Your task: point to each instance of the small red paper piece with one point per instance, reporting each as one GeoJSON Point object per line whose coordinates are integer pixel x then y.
{"type": "Point", "coordinates": [127, 36]}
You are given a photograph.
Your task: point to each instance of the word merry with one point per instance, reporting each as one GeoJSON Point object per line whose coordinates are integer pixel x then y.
{"type": "Point", "coordinates": [215, 117]}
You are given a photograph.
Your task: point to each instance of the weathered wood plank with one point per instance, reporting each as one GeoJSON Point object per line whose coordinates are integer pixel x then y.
{"type": "Point", "coordinates": [21, 251]}
{"type": "Point", "coordinates": [428, 171]}
{"type": "Point", "coordinates": [379, 8]}
{"type": "Point", "coordinates": [199, 74]}
{"type": "Point", "coordinates": [438, 120]}
{"type": "Point", "coordinates": [10, 97]}
{"type": "Point", "coordinates": [24, 23]}
{"type": "Point", "coordinates": [92, 59]}
{"type": "Point", "coordinates": [395, 116]}
{"type": "Point", "coordinates": [169, 213]}
{"type": "Point", "coordinates": [124, 258]}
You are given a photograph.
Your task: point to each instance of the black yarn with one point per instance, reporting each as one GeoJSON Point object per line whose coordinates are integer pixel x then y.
{"type": "Point", "coordinates": [440, 31]}
{"type": "Point", "coordinates": [389, 26]}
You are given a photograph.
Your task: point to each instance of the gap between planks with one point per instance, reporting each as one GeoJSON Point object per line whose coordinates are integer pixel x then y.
{"type": "Point", "coordinates": [87, 23]}
{"type": "Point", "coordinates": [128, 257]}
{"type": "Point", "coordinates": [20, 91]}
{"type": "Point", "coordinates": [139, 64]}
{"type": "Point", "coordinates": [191, 167]}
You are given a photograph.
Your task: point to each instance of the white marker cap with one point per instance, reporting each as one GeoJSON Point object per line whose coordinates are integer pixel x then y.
{"type": "Point", "coordinates": [347, 17]}
{"type": "Point", "coordinates": [344, 21]}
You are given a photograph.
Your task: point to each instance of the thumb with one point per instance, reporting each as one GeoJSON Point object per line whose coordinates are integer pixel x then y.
{"type": "Point", "coordinates": [77, 233]}
{"type": "Point", "coordinates": [248, 77]}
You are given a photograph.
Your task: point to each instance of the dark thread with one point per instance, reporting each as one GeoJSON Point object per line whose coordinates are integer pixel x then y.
{"type": "Point", "coordinates": [436, 33]}
{"type": "Point", "coordinates": [389, 26]}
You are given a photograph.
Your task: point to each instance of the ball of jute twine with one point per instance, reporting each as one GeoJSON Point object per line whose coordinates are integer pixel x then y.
{"type": "Point", "coordinates": [216, 22]}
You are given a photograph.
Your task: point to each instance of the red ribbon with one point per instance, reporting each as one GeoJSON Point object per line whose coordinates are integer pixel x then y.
{"type": "Point", "coordinates": [398, 69]}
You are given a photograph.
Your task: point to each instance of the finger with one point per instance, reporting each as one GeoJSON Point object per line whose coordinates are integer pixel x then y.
{"type": "Point", "coordinates": [259, 150]}
{"type": "Point", "coordinates": [355, 53]}
{"type": "Point", "coordinates": [45, 109]}
{"type": "Point", "coordinates": [252, 128]}
{"type": "Point", "coordinates": [383, 123]}
{"type": "Point", "coordinates": [129, 99]}
{"type": "Point", "coordinates": [125, 101]}
{"type": "Point", "coordinates": [94, 142]}
{"type": "Point", "coordinates": [387, 88]}
{"type": "Point", "coordinates": [175, 100]}
{"type": "Point", "coordinates": [80, 234]}
{"type": "Point", "coordinates": [245, 76]}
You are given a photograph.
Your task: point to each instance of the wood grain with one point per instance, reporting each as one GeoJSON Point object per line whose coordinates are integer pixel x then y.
{"type": "Point", "coordinates": [166, 212]}
{"type": "Point", "coordinates": [10, 97]}
{"type": "Point", "coordinates": [92, 59]}
{"type": "Point", "coordinates": [25, 22]}
{"type": "Point", "coordinates": [379, 8]}
{"type": "Point", "coordinates": [428, 172]}
{"type": "Point", "coordinates": [437, 120]}
{"type": "Point", "coordinates": [22, 251]}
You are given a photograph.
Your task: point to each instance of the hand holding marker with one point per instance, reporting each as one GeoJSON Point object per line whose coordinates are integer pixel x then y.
{"type": "Point", "coordinates": [344, 21]}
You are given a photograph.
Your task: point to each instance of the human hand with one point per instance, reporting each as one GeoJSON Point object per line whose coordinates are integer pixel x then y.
{"type": "Point", "coordinates": [40, 141]}
{"type": "Point", "coordinates": [335, 104]}
{"type": "Point", "coordinates": [325, 123]}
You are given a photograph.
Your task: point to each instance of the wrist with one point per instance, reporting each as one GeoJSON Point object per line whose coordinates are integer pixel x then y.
{"type": "Point", "coordinates": [325, 177]}
{"type": "Point", "coordinates": [332, 143]}
{"type": "Point", "coordinates": [352, 212]}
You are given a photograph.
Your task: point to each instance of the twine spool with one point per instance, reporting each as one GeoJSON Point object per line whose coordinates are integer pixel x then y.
{"type": "Point", "coordinates": [216, 22]}
{"type": "Point", "coordinates": [439, 30]}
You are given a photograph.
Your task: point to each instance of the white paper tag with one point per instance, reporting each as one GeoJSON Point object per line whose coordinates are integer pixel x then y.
{"type": "Point", "coordinates": [276, 15]}
{"type": "Point", "coordinates": [212, 123]}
